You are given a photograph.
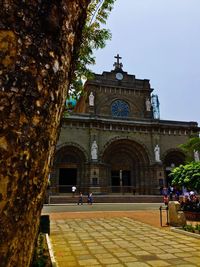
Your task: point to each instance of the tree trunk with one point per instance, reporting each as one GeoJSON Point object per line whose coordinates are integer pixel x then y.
{"type": "Point", "coordinates": [38, 41]}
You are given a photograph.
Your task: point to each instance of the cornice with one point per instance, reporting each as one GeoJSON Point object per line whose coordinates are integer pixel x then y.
{"type": "Point", "coordinates": [132, 126]}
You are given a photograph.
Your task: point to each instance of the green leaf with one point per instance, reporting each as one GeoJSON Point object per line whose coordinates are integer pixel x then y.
{"type": "Point", "coordinates": [187, 175]}
{"type": "Point", "coordinates": [94, 37]}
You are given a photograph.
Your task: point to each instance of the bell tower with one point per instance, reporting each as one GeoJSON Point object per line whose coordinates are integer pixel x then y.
{"type": "Point", "coordinates": [118, 94]}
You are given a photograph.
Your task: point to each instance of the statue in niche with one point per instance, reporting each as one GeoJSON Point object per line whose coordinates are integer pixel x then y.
{"type": "Point", "coordinates": [94, 149]}
{"type": "Point", "coordinates": [148, 104]}
{"type": "Point", "coordinates": [157, 153]}
{"type": "Point", "coordinates": [196, 155]}
{"type": "Point", "coordinates": [91, 99]}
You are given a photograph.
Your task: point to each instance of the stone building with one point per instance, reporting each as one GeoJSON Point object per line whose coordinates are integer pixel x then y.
{"type": "Point", "coordinates": [114, 140]}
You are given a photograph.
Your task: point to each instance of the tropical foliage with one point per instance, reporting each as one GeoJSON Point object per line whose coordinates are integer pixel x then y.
{"type": "Point", "coordinates": [94, 37]}
{"type": "Point", "coordinates": [187, 175]}
{"type": "Point", "coordinates": [193, 144]}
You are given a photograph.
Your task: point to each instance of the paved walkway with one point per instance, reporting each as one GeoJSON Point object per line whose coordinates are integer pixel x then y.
{"type": "Point", "coordinates": [119, 239]}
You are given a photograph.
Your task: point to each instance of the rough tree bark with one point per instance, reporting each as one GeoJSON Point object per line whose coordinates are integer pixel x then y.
{"type": "Point", "coordinates": [38, 41]}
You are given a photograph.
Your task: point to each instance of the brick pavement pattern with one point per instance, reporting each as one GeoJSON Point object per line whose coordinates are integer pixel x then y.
{"type": "Point", "coordinates": [119, 241]}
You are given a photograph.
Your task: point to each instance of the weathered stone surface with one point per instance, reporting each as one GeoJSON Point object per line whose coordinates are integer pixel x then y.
{"type": "Point", "coordinates": [176, 216]}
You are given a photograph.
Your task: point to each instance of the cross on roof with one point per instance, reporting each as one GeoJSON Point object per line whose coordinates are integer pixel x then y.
{"type": "Point", "coordinates": [118, 65]}
{"type": "Point", "coordinates": [118, 58]}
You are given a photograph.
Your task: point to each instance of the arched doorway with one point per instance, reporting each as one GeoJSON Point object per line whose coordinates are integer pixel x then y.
{"type": "Point", "coordinates": [172, 159]}
{"type": "Point", "coordinates": [122, 171]}
{"type": "Point", "coordinates": [127, 166]}
{"type": "Point", "coordinates": [68, 168]}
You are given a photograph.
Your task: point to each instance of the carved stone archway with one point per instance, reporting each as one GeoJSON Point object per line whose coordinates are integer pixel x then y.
{"type": "Point", "coordinates": [68, 168]}
{"type": "Point", "coordinates": [127, 164]}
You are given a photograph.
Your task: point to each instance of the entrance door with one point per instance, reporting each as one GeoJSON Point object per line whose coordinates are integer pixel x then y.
{"type": "Point", "coordinates": [115, 180]}
{"type": "Point", "coordinates": [67, 178]}
{"type": "Point", "coordinates": [126, 178]}
{"type": "Point", "coordinates": [126, 181]}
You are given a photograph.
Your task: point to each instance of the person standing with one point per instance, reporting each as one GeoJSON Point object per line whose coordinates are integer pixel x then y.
{"type": "Point", "coordinates": [171, 192]}
{"type": "Point", "coordinates": [73, 190]}
{"type": "Point", "coordinates": [166, 199]}
{"type": "Point", "coordinates": [80, 199]}
{"type": "Point", "coordinates": [90, 199]}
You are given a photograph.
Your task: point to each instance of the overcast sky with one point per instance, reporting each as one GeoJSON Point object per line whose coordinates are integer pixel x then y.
{"type": "Point", "coordinates": [159, 40]}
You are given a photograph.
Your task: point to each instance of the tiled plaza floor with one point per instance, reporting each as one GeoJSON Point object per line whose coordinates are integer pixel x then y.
{"type": "Point", "coordinates": [120, 241]}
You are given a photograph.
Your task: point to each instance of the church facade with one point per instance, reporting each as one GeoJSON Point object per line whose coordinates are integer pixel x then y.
{"type": "Point", "coordinates": [114, 140]}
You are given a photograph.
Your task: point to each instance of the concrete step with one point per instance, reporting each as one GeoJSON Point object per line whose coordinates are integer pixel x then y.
{"type": "Point", "coordinates": [108, 199]}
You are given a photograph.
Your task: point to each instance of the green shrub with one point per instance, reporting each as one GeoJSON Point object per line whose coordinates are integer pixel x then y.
{"type": "Point", "coordinates": [189, 228]}
{"type": "Point", "coordinates": [41, 254]}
